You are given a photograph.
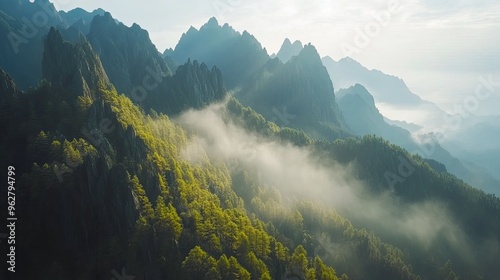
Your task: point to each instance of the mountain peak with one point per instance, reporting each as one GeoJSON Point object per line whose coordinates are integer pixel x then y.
{"type": "Point", "coordinates": [108, 16]}
{"type": "Point", "coordinates": [54, 35]}
{"type": "Point", "coordinates": [125, 52]}
{"type": "Point", "coordinates": [309, 53]}
{"type": "Point", "coordinates": [297, 44]}
{"type": "Point", "coordinates": [228, 48]}
{"type": "Point", "coordinates": [212, 22]}
{"type": "Point", "coordinates": [289, 50]}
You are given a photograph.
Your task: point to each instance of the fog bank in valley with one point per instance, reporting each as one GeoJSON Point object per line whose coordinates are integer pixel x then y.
{"type": "Point", "coordinates": [301, 176]}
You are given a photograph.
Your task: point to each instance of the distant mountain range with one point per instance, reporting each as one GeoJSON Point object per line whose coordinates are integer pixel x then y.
{"type": "Point", "coordinates": [296, 93]}
{"type": "Point", "coordinates": [362, 116]}
{"type": "Point", "coordinates": [389, 91]}
{"type": "Point", "coordinates": [359, 90]}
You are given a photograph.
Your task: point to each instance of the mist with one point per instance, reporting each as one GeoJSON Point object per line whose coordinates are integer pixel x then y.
{"type": "Point", "coordinates": [301, 176]}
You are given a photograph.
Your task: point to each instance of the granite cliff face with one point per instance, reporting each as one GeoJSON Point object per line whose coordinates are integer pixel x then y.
{"type": "Point", "coordinates": [75, 67]}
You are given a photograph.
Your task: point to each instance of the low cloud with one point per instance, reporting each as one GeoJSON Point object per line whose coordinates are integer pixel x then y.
{"type": "Point", "coordinates": [299, 175]}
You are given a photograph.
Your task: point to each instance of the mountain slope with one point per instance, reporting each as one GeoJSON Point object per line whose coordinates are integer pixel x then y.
{"type": "Point", "coordinates": [358, 107]}
{"type": "Point", "coordinates": [362, 116]}
{"type": "Point", "coordinates": [297, 94]}
{"type": "Point", "coordinates": [124, 194]}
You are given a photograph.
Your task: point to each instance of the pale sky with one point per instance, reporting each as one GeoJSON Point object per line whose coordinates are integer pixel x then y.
{"type": "Point", "coordinates": [439, 48]}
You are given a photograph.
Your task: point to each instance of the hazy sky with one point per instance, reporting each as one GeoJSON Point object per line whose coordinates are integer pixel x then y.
{"type": "Point", "coordinates": [439, 48]}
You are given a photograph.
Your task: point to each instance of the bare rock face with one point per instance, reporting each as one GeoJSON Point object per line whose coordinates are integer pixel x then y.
{"type": "Point", "coordinates": [75, 67]}
{"type": "Point", "coordinates": [7, 84]}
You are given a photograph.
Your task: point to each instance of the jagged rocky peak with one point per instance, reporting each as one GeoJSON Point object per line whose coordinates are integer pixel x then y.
{"type": "Point", "coordinates": [212, 23]}
{"type": "Point", "coordinates": [237, 55]}
{"type": "Point", "coordinates": [103, 22]}
{"type": "Point", "coordinates": [200, 85]}
{"type": "Point", "coordinates": [289, 50]}
{"type": "Point", "coordinates": [127, 53]}
{"type": "Point", "coordinates": [74, 66]}
{"type": "Point", "coordinates": [309, 52]}
{"type": "Point", "coordinates": [193, 85]}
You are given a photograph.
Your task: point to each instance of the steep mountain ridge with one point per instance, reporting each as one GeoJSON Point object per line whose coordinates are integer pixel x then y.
{"type": "Point", "coordinates": [298, 93]}
{"type": "Point", "coordinates": [75, 67]}
{"type": "Point", "coordinates": [80, 18]}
